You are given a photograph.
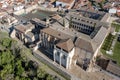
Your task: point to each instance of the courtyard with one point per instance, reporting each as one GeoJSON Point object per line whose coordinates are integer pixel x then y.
{"type": "Point", "coordinates": [108, 43]}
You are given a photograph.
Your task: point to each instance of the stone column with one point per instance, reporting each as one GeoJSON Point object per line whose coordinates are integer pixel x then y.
{"type": "Point", "coordinates": [47, 44]}
{"type": "Point", "coordinates": [54, 53]}
{"type": "Point", "coordinates": [40, 37]}
{"type": "Point", "coordinates": [54, 56]}
{"type": "Point", "coordinates": [44, 41]}
{"type": "Point", "coordinates": [60, 58]}
{"type": "Point", "coordinates": [67, 62]}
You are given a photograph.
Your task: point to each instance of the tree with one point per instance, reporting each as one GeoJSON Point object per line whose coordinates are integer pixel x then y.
{"type": "Point", "coordinates": [7, 72]}
{"type": "Point", "coordinates": [17, 78]}
{"type": "Point", "coordinates": [6, 57]}
{"type": "Point", "coordinates": [50, 77]}
{"type": "Point", "coordinates": [19, 68]}
{"type": "Point", "coordinates": [24, 51]}
{"type": "Point", "coordinates": [41, 73]}
{"type": "Point", "coordinates": [14, 64]}
{"type": "Point", "coordinates": [6, 42]}
{"type": "Point", "coordinates": [24, 78]}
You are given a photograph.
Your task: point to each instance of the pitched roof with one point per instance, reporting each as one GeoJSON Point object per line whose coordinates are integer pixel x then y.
{"type": "Point", "coordinates": [83, 44]}
{"type": "Point", "coordinates": [23, 28]}
{"type": "Point", "coordinates": [56, 33]}
{"type": "Point", "coordinates": [66, 45]}
{"type": "Point", "coordinates": [56, 17]}
{"type": "Point", "coordinates": [39, 21]}
{"type": "Point", "coordinates": [20, 28]}
{"type": "Point", "coordinates": [114, 68]}
{"type": "Point", "coordinates": [100, 36]}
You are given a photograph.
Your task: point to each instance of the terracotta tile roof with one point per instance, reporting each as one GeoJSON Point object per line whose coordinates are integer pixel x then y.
{"type": "Point", "coordinates": [66, 1]}
{"type": "Point", "coordinates": [118, 11]}
{"type": "Point", "coordinates": [20, 1]}
{"type": "Point", "coordinates": [66, 45]}
{"type": "Point", "coordinates": [1, 4]}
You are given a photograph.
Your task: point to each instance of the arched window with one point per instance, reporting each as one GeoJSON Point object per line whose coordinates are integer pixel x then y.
{"type": "Point", "coordinates": [64, 57]}
{"type": "Point", "coordinates": [58, 53]}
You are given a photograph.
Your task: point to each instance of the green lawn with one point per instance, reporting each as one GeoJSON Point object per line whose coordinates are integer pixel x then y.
{"type": "Point", "coordinates": [108, 42]}
{"type": "Point", "coordinates": [116, 51]}
{"type": "Point", "coordinates": [117, 27]}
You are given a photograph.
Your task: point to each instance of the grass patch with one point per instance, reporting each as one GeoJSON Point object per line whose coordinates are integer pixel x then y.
{"type": "Point", "coordinates": [116, 52]}
{"type": "Point", "coordinates": [108, 42]}
{"type": "Point", "coordinates": [117, 27]}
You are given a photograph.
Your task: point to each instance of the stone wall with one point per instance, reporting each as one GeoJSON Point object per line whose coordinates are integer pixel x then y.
{"type": "Point", "coordinates": [56, 68]}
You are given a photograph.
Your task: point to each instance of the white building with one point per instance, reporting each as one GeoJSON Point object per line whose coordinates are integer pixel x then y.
{"type": "Point", "coordinates": [64, 52]}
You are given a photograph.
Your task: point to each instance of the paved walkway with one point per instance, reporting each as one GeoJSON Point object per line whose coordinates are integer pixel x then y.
{"type": "Point", "coordinates": [98, 75]}
{"type": "Point", "coordinates": [114, 41]}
